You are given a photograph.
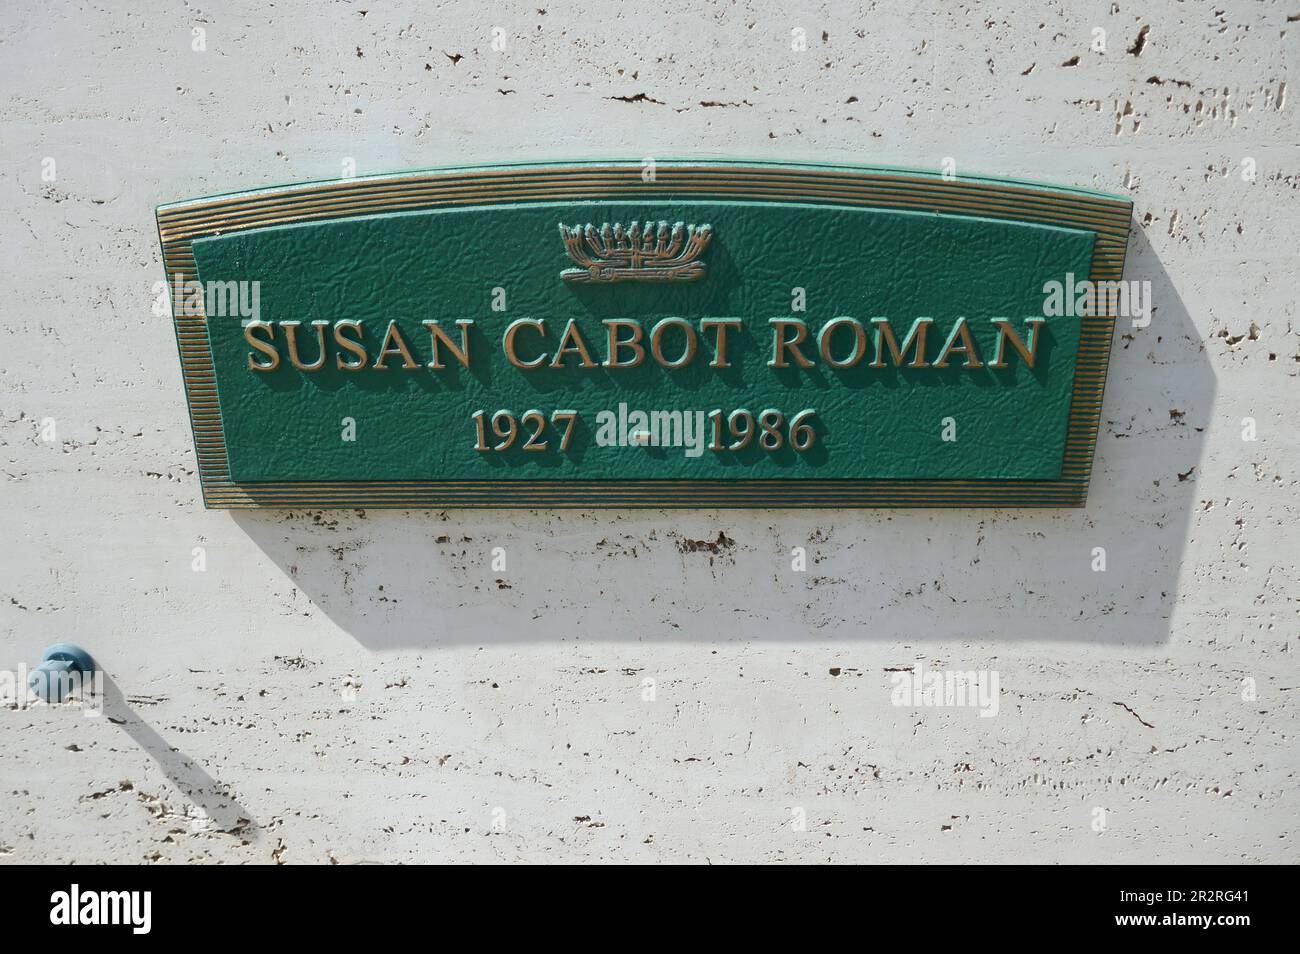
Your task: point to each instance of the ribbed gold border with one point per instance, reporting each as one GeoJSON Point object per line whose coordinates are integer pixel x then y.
{"type": "Point", "coordinates": [179, 225]}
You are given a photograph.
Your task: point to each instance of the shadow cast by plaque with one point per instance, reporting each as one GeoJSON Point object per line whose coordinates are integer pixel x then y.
{"type": "Point", "coordinates": [1107, 573]}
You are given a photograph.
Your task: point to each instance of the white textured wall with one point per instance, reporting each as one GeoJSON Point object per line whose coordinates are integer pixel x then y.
{"type": "Point", "coordinates": [521, 691]}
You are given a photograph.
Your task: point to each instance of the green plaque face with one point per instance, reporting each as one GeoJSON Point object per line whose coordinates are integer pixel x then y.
{"type": "Point", "coordinates": [738, 334]}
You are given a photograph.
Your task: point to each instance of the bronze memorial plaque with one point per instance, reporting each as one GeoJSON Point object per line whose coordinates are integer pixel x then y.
{"type": "Point", "coordinates": [696, 334]}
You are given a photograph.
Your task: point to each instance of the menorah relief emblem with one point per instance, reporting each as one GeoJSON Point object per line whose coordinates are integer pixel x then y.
{"type": "Point", "coordinates": [641, 252]}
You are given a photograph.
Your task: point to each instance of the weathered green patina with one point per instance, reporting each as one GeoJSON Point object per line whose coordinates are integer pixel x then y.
{"type": "Point", "coordinates": [872, 329]}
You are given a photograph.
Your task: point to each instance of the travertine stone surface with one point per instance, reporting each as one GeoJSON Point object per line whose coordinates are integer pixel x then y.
{"type": "Point", "coordinates": [366, 687]}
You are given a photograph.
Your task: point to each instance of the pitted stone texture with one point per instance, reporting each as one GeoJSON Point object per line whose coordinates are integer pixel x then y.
{"type": "Point", "coordinates": [368, 687]}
